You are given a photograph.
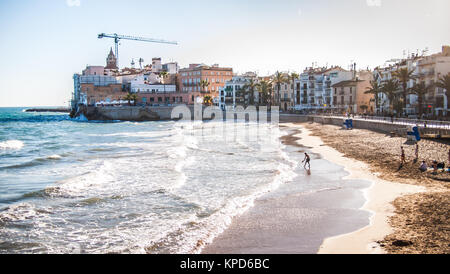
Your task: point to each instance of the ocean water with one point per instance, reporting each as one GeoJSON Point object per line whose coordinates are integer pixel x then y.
{"type": "Point", "coordinates": [69, 186]}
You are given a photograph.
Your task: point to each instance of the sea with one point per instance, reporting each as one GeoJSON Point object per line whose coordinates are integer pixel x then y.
{"type": "Point", "coordinates": [76, 186]}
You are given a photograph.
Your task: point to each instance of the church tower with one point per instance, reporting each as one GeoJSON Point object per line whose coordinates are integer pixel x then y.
{"type": "Point", "coordinates": [111, 61]}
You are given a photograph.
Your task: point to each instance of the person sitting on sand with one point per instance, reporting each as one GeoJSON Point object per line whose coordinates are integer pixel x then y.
{"type": "Point", "coordinates": [307, 160]}
{"type": "Point", "coordinates": [435, 167]}
{"type": "Point", "coordinates": [423, 167]}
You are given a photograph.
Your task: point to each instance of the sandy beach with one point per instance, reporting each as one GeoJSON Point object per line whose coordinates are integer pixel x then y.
{"type": "Point", "coordinates": [414, 223]}
{"type": "Point", "coordinates": [379, 208]}
{"type": "Point", "coordinates": [299, 215]}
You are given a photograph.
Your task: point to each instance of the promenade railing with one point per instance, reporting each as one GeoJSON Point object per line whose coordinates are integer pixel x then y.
{"type": "Point", "coordinates": [398, 121]}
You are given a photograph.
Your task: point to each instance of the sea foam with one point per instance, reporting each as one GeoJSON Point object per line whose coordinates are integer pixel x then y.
{"type": "Point", "coordinates": [11, 144]}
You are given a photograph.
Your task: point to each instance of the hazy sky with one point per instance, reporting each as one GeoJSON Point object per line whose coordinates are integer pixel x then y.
{"type": "Point", "coordinates": [43, 42]}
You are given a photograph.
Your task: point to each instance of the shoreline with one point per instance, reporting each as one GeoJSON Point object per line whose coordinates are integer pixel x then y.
{"type": "Point", "coordinates": [297, 217]}
{"type": "Point", "coordinates": [379, 197]}
{"type": "Point", "coordinates": [255, 231]}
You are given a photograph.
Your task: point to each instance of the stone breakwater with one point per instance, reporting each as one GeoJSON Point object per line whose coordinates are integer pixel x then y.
{"type": "Point", "coordinates": [126, 113]}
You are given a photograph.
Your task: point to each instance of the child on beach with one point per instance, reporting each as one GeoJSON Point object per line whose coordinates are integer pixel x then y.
{"type": "Point", "coordinates": [423, 167]}
{"type": "Point", "coordinates": [307, 160]}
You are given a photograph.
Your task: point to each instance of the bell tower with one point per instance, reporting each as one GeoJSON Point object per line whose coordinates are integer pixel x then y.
{"type": "Point", "coordinates": [111, 61]}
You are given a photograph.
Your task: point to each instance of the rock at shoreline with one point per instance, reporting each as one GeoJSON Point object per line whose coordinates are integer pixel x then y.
{"type": "Point", "coordinates": [61, 110]}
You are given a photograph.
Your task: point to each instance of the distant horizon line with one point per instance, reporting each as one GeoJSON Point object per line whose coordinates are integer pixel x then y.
{"type": "Point", "coordinates": [56, 106]}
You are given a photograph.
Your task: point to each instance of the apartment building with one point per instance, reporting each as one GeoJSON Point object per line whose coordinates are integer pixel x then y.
{"type": "Point", "coordinates": [232, 95]}
{"type": "Point", "coordinates": [427, 69]}
{"type": "Point", "coordinates": [190, 79]}
{"type": "Point", "coordinates": [287, 95]}
{"type": "Point", "coordinates": [313, 91]}
{"type": "Point", "coordinates": [349, 96]}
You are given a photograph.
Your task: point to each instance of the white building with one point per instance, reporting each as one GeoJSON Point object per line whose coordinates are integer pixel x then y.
{"type": "Point", "coordinates": [171, 68]}
{"type": "Point", "coordinates": [142, 84]}
{"type": "Point", "coordinates": [427, 69]}
{"type": "Point", "coordinates": [153, 88]}
{"type": "Point", "coordinates": [313, 90]}
{"type": "Point", "coordinates": [230, 95]}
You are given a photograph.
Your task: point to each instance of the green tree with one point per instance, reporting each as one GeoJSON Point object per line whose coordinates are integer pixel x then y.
{"type": "Point", "coordinates": [444, 83]}
{"type": "Point", "coordinates": [164, 75]}
{"type": "Point", "coordinates": [294, 76]}
{"type": "Point", "coordinates": [375, 89]}
{"type": "Point", "coordinates": [279, 79]}
{"type": "Point", "coordinates": [421, 90]}
{"type": "Point", "coordinates": [404, 75]}
{"type": "Point", "coordinates": [265, 92]}
{"type": "Point", "coordinates": [131, 97]}
{"type": "Point", "coordinates": [249, 89]}
{"type": "Point", "coordinates": [390, 88]}
{"type": "Point", "coordinates": [207, 100]}
{"type": "Point", "coordinates": [204, 84]}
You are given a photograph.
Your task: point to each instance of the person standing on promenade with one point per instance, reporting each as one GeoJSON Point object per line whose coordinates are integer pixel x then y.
{"type": "Point", "coordinates": [307, 160]}
{"type": "Point", "coordinates": [403, 157]}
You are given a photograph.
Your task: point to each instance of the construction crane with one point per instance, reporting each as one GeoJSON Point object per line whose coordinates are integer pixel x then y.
{"type": "Point", "coordinates": [118, 37]}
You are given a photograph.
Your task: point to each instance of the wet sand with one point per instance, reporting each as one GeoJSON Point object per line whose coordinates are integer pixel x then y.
{"type": "Point", "coordinates": [298, 216]}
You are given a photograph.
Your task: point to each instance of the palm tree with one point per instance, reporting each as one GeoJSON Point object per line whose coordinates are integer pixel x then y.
{"type": "Point", "coordinates": [265, 91]}
{"type": "Point", "coordinates": [207, 100]}
{"type": "Point", "coordinates": [279, 79]}
{"type": "Point", "coordinates": [250, 88]}
{"type": "Point", "coordinates": [421, 90]}
{"type": "Point", "coordinates": [163, 75]}
{"type": "Point", "coordinates": [131, 97]}
{"type": "Point", "coordinates": [444, 83]}
{"type": "Point", "coordinates": [204, 84]}
{"type": "Point", "coordinates": [375, 89]}
{"type": "Point", "coordinates": [294, 76]}
{"type": "Point", "coordinates": [403, 75]}
{"type": "Point", "coordinates": [390, 88]}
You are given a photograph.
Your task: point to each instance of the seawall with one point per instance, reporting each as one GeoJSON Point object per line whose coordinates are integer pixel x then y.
{"type": "Point", "coordinates": [378, 126]}
{"type": "Point", "coordinates": [128, 113]}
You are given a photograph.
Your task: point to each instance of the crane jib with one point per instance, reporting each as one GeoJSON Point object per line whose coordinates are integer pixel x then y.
{"type": "Point", "coordinates": [118, 37]}
{"type": "Point", "coordinates": [135, 38]}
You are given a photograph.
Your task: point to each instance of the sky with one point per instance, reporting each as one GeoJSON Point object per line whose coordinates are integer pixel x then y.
{"type": "Point", "coordinates": [44, 42]}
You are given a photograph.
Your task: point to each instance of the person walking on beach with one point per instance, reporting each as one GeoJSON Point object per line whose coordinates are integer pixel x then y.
{"type": "Point", "coordinates": [307, 160]}
{"type": "Point", "coordinates": [403, 156]}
